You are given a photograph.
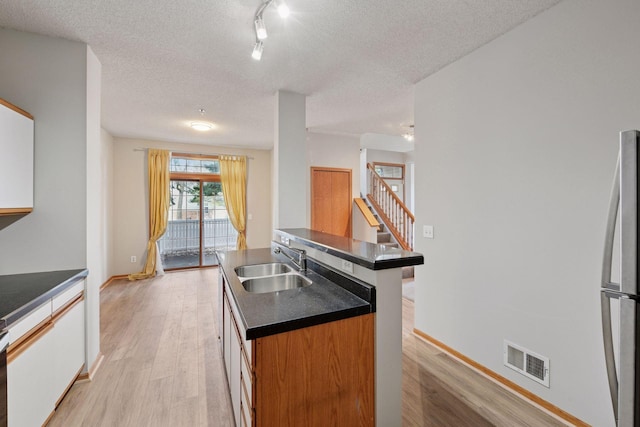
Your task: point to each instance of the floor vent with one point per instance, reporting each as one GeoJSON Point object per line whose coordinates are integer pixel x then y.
{"type": "Point", "coordinates": [526, 362]}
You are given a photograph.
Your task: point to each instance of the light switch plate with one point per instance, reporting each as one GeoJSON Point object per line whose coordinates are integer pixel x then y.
{"type": "Point", "coordinates": [427, 231]}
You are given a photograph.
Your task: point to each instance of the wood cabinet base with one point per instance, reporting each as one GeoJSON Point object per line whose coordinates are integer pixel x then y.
{"type": "Point", "coordinates": [317, 376]}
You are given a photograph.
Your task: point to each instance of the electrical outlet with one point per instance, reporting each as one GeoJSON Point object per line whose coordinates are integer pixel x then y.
{"type": "Point", "coordinates": [133, 258]}
{"type": "Point", "coordinates": [427, 231]}
{"type": "Point", "coordinates": [347, 266]}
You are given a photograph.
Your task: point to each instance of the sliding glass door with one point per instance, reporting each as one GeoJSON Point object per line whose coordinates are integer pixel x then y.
{"type": "Point", "coordinates": [198, 222]}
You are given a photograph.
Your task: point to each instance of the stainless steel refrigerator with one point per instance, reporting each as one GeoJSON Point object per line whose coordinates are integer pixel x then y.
{"type": "Point", "coordinates": [622, 362]}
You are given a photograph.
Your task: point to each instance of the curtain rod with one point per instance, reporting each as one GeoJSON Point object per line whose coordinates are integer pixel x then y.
{"type": "Point", "coordinates": [194, 153]}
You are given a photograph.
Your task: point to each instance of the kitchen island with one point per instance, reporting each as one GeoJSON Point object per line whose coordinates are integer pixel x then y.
{"type": "Point", "coordinates": [331, 350]}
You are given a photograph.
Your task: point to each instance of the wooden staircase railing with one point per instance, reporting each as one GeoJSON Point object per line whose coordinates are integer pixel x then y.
{"type": "Point", "coordinates": [398, 219]}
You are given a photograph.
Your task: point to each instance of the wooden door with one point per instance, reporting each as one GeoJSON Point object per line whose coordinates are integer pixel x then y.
{"type": "Point", "coordinates": [331, 200]}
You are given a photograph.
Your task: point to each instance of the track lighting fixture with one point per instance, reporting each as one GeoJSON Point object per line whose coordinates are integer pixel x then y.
{"type": "Point", "coordinates": [259, 27]}
{"type": "Point", "coordinates": [256, 54]}
{"type": "Point", "coordinates": [283, 9]}
{"type": "Point", "coordinates": [261, 30]}
{"type": "Point", "coordinates": [257, 50]}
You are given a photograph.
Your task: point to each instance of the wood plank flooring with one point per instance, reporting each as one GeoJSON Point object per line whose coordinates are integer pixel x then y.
{"type": "Point", "coordinates": [163, 367]}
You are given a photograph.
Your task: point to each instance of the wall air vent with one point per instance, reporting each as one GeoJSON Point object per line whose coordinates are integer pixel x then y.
{"type": "Point", "coordinates": [526, 362]}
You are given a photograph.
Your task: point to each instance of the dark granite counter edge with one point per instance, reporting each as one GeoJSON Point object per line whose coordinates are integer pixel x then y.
{"type": "Point", "coordinates": [305, 322]}
{"type": "Point", "coordinates": [379, 264]}
{"type": "Point", "coordinates": [16, 315]}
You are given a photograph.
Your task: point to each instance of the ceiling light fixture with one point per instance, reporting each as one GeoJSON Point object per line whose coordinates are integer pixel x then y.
{"type": "Point", "coordinates": [408, 135]}
{"type": "Point", "coordinates": [257, 50]}
{"type": "Point", "coordinates": [201, 125]}
{"type": "Point", "coordinates": [259, 27]}
{"type": "Point", "coordinates": [283, 9]}
{"type": "Point", "coordinates": [261, 30]}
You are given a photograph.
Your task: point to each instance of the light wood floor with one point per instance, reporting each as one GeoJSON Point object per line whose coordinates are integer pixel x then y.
{"type": "Point", "coordinates": [162, 367]}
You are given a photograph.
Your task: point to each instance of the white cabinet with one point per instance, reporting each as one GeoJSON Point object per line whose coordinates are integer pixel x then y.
{"type": "Point", "coordinates": [226, 336]}
{"type": "Point", "coordinates": [44, 358]}
{"type": "Point", "coordinates": [16, 148]}
{"type": "Point", "coordinates": [68, 353]}
{"type": "Point", "coordinates": [232, 357]}
{"type": "Point", "coordinates": [238, 370]}
{"type": "Point", "coordinates": [30, 397]}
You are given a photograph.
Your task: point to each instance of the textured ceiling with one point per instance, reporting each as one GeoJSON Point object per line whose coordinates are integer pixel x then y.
{"type": "Point", "coordinates": [356, 61]}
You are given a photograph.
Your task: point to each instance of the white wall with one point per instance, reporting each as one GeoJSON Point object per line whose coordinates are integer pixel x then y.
{"type": "Point", "coordinates": [383, 156]}
{"type": "Point", "coordinates": [290, 185]}
{"type": "Point", "coordinates": [96, 191]}
{"type": "Point", "coordinates": [130, 199]}
{"type": "Point", "coordinates": [516, 154]}
{"type": "Point", "coordinates": [47, 77]}
{"type": "Point", "coordinates": [361, 230]}
{"type": "Point", "coordinates": [333, 151]}
{"type": "Point", "coordinates": [58, 82]}
{"type": "Point", "coordinates": [107, 202]}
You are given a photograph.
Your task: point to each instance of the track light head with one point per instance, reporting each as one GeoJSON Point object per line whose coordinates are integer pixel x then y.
{"type": "Point", "coordinates": [257, 50]}
{"type": "Point", "coordinates": [283, 9]}
{"type": "Point", "coordinates": [261, 30]}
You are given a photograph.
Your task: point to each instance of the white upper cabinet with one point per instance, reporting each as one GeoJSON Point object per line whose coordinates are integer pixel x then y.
{"type": "Point", "coordinates": [16, 160]}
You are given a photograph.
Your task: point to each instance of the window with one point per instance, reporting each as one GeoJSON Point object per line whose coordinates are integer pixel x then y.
{"type": "Point", "coordinates": [389, 170]}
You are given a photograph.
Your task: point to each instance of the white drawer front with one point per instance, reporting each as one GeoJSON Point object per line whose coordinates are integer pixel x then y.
{"type": "Point", "coordinates": [26, 324]}
{"type": "Point", "coordinates": [68, 295]}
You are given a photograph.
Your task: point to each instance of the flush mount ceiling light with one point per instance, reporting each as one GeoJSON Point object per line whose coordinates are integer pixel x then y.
{"type": "Point", "coordinates": [201, 125]}
{"type": "Point", "coordinates": [408, 135]}
{"type": "Point", "coordinates": [260, 29]}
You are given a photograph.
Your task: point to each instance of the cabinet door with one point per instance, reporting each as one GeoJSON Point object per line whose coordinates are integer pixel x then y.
{"type": "Point", "coordinates": [68, 358]}
{"type": "Point", "coordinates": [31, 395]}
{"type": "Point", "coordinates": [220, 303]}
{"type": "Point", "coordinates": [234, 378]}
{"type": "Point", "coordinates": [16, 145]}
{"type": "Point", "coordinates": [226, 337]}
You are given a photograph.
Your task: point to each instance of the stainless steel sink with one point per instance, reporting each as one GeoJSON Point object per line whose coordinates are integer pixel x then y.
{"type": "Point", "coordinates": [258, 270]}
{"type": "Point", "coordinates": [282, 282]}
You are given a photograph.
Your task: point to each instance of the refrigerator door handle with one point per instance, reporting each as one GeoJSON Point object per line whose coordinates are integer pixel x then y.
{"type": "Point", "coordinates": [605, 304]}
{"type": "Point", "coordinates": [609, 357]}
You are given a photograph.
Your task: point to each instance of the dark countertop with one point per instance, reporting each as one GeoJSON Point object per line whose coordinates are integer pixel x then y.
{"type": "Point", "coordinates": [21, 293]}
{"type": "Point", "coordinates": [369, 255]}
{"type": "Point", "coordinates": [325, 300]}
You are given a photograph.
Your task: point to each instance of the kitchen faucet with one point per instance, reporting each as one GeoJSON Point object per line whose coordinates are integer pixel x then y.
{"type": "Point", "coordinates": [301, 263]}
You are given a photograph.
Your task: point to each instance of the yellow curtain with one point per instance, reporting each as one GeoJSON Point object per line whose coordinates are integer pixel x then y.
{"type": "Point", "coordinates": [158, 208]}
{"type": "Point", "coordinates": [233, 176]}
